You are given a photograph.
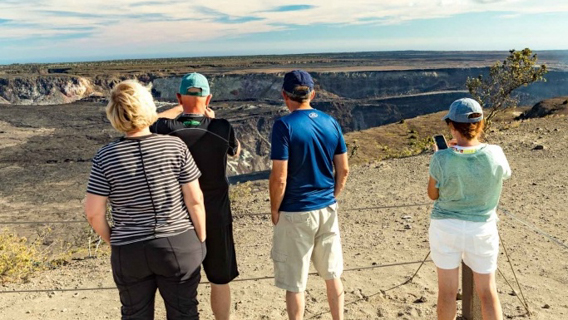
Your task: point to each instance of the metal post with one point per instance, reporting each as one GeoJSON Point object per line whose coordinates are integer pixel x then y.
{"type": "Point", "coordinates": [471, 305]}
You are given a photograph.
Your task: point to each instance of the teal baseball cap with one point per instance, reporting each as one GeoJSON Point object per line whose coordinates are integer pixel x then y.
{"type": "Point", "coordinates": [462, 110]}
{"type": "Point", "coordinates": [194, 80]}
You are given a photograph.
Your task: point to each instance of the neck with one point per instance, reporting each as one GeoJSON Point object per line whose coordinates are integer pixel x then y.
{"type": "Point", "coordinates": [195, 109]}
{"type": "Point", "coordinates": [139, 133]}
{"type": "Point", "coordinates": [301, 106]}
{"type": "Point", "coordinates": [462, 142]}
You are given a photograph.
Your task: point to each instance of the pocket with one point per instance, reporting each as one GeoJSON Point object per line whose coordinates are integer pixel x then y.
{"type": "Point", "coordinates": [442, 241]}
{"type": "Point", "coordinates": [334, 207]}
{"type": "Point", "coordinates": [295, 217]}
{"type": "Point", "coordinates": [278, 256]}
{"type": "Point", "coordinates": [486, 244]}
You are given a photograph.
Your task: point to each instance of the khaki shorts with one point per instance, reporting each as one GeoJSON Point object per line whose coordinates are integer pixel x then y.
{"type": "Point", "coordinates": [303, 236]}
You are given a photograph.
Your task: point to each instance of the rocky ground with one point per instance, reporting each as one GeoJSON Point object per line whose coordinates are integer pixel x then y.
{"type": "Point", "coordinates": [384, 221]}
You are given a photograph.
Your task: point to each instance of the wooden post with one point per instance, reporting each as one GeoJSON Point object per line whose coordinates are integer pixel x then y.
{"type": "Point", "coordinates": [471, 305]}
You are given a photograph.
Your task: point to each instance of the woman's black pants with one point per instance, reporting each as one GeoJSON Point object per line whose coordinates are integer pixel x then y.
{"type": "Point", "coordinates": [170, 264]}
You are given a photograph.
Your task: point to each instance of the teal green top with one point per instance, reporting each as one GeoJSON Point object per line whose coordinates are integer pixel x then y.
{"type": "Point", "coordinates": [469, 183]}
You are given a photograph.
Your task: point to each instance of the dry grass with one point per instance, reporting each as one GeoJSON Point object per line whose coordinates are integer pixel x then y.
{"type": "Point", "coordinates": [19, 257]}
{"type": "Point", "coordinates": [240, 193]}
{"type": "Point", "coordinates": [403, 139]}
{"type": "Point", "coordinates": [410, 137]}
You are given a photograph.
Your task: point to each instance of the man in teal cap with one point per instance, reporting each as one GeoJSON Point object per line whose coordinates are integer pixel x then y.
{"type": "Point", "coordinates": [209, 140]}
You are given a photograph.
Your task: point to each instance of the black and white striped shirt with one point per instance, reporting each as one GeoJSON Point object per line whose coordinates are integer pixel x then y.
{"type": "Point", "coordinates": [141, 177]}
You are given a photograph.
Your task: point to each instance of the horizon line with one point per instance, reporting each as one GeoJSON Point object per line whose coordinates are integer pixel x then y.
{"type": "Point", "coordinates": [174, 57]}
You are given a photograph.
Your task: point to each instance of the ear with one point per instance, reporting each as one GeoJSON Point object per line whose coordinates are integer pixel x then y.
{"type": "Point", "coordinates": [178, 96]}
{"type": "Point", "coordinates": [284, 96]}
{"type": "Point", "coordinates": [313, 95]}
{"type": "Point", "coordinates": [208, 100]}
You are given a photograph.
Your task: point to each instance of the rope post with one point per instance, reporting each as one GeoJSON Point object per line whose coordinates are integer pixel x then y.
{"type": "Point", "coordinates": [471, 305]}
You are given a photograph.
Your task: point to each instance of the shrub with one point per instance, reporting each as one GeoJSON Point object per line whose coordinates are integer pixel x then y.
{"type": "Point", "coordinates": [19, 258]}
{"type": "Point", "coordinates": [495, 90]}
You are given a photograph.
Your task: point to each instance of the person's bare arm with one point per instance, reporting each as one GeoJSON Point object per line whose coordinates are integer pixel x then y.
{"type": "Point", "coordinates": [236, 155]}
{"type": "Point", "coordinates": [341, 172]}
{"type": "Point", "coordinates": [95, 211]}
{"type": "Point", "coordinates": [193, 198]}
{"type": "Point", "coordinates": [171, 113]}
{"type": "Point", "coordinates": [433, 192]}
{"type": "Point", "coordinates": [277, 187]}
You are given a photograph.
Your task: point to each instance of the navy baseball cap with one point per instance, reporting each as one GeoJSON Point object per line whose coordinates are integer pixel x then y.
{"type": "Point", "coordinates": [297, 78]}
{"type": "Point", "coordinates": [461, 109]}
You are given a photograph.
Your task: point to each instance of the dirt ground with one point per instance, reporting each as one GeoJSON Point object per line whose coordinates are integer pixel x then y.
{"type": "Point", "coordinates": [44, 168]}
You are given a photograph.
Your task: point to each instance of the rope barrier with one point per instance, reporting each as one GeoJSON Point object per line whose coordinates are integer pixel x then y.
{"type": "Point", "coordinates": [236, 280]}
{"type": "Point", "coordinates": [514, 291]}
{"type": "Point", "coordinates": [41, 222]}
{"type": "Point", "coordinates": [390, 207]}
{"type": "Point", "coordinates": [505, 211]}
{"type": "Point", "coordinates": [347, 209]}
{"type": "Point", "coordinates": [533, 228]}
{"type": "Point", "coordinates": [524, 301]}
{"type": "Point", "coordinates": [236, 215]}
{"type": "Point", "coordinates": [409, 280]}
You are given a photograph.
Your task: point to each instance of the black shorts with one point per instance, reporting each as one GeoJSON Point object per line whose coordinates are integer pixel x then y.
{"type": "Point", "coordinates": [220, 264]}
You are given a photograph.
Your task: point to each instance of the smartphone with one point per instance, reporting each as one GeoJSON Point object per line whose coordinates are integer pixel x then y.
{"type": "Point", "coordinates": [440, 141]}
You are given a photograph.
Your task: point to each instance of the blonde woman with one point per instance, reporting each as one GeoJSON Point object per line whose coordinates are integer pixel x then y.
{"type": "Point", "coordinates": [151, 183]}
{"type": "Point", "coordinates": [466, 181]}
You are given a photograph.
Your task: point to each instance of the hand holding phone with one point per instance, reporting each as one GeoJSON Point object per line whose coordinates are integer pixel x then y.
{"type": "Point", "coordinates": [440, 141]}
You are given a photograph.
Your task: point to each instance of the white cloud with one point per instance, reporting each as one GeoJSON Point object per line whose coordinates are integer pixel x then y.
{"type": "Point", "coordinates": [139, 23]}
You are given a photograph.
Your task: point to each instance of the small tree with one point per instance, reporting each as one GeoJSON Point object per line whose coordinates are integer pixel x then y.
{"type": "Point", "coordinates": [494, 92]}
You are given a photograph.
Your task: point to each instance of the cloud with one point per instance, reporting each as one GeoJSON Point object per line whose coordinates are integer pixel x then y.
{"type": "Point", "coordinates": [147, 24]}
{"type": "Point", "coordinates": [297, 7]}
{"type": "Point", "coordinates": [511, 16]}
{"type": "Point", "coordinates": [488, 1]}
{"type": "Point", "coordinates": [147, 3]}
{"type": "Point", "coordinates": [218, 16]}
{"type": "Point", "coordinates": [56, 13]}
{"type": "Point", "coordinates": [71, 36]}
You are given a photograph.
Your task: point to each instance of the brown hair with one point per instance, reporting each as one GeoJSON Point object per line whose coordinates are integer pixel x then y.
{"type": "Point", "coordinates": [468, 130]}
{"type": "Point", "coordinates": [300, 94]}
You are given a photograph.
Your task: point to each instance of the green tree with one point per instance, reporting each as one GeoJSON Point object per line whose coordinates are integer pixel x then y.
{"type": "Point", "coordinates": [494, 91]}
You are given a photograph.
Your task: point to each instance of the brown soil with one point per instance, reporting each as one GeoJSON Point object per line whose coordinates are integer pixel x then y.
{"type": "Point", "coordinates": [44, 174]}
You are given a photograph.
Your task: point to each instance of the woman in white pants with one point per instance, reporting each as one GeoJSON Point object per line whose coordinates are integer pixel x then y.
{"type": "Point", "coordinates": [466, 181]}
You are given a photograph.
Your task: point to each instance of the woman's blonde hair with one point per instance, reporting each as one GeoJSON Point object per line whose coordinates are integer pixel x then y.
{"type": "Point", "coordinates": [131, 107]}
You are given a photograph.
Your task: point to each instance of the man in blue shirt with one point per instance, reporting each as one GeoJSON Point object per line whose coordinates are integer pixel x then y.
{"type": "Point", "coordinates": [306, 146]}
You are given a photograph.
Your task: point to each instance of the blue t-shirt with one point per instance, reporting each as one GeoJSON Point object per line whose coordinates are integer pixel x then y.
{"type": "Point", "coordinates": [308, 139]}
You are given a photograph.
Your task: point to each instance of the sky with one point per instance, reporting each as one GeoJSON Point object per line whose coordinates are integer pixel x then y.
{"type": "Point", "coordinates": [87, 30]}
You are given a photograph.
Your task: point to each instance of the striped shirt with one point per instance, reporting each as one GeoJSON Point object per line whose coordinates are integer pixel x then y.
{"type": "Point", "coordinates": [141, 177]}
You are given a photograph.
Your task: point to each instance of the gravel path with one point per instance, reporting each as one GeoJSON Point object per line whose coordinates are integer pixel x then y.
{"type": "Point", "coordinates": [375, 232]}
